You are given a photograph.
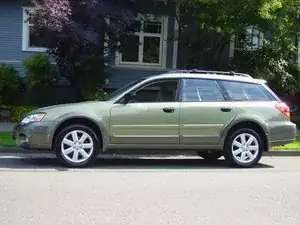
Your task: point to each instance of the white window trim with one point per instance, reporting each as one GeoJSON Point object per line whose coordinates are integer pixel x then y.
{"type": "Point", "coordinates": [163, 50]}
{"type": "Point", "coordinates": [175, 44]}
{"type": "Point", "coordinates": [232, 47]}
{"type": "Point", "coordinates": [298, 48]}
{"type": "Point", "coordinates": [25, 33]}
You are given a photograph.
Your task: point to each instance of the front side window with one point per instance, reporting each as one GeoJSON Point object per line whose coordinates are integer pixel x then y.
{"type": "Point", "coordinates": [201, 90]}
{"type": "Point", "coordinates": [161, 91]}
{"type": "Point", "coordinates": [239, 91]}
{"type": "Point", "coordinates": [119, 91]}
{"type": "Point", "coordinates": [146, 46]}
{"type": "Point", "coordinates": [31, 41]}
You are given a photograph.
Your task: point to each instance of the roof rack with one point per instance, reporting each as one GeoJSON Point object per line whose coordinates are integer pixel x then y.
{"type": "Point", "coordinates": [232, 73]}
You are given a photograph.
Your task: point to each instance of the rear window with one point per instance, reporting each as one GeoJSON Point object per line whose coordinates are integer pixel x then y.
{"type": "Point", "coordinates": [240, 91]}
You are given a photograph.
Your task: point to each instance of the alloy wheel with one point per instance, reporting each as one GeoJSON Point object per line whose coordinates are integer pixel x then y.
{"type": "Point", "coordinates": [245, 148]}
{"type": "Point", "coordinates": [77, 146]}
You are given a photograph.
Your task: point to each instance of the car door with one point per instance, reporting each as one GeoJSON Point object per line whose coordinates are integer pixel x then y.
{"type": "Point", "coordinates": [203, 112]}
{"type": "Point", "coordinates": [151, 118]}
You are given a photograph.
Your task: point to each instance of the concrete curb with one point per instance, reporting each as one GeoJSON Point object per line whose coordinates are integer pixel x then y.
{"type": "Point", "coordinates": [282, 153]}
{"type": "Point", "coordinates": [14, 150]}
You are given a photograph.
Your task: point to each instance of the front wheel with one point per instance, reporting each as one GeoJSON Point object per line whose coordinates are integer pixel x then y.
{"type": "Point", "coordinates": [77, 146]}
{"type": "Point", "coordinates": [243, 148]}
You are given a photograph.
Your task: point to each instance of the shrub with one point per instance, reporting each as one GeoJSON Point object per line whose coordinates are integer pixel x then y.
{"type": "Point", "coordinates": [17, 112]}
{"type": "Point", "coordinates": [39, 71]}
{"type": "Point", "coordinates": [10, 84]}
{"type": "Point", "coordinates": [39, 76]}
{"type": "Point", "coordinates": [98, 96]}
{"type": "Point", "coordinates": [278, 71]}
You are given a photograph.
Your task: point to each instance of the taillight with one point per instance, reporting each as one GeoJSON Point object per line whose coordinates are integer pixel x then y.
{"type": "Point", "coordinates": [284, 109]}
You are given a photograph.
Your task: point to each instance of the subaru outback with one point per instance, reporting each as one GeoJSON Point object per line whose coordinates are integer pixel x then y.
{"type": "Point", "coordinates": [213, 113]}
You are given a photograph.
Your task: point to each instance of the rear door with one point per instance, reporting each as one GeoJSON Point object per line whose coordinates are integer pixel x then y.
{"type": "Point", "coordinates": [254, 102]}
{"type": "Point", "coordinates": [204, 112]}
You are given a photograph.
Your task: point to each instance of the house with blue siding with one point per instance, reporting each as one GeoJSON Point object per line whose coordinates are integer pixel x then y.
{"type": "Point", "coordinates": [150, 51]}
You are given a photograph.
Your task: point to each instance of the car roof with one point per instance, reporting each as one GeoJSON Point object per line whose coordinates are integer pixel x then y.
{"type": "Point", "coordinates": [209, 75]}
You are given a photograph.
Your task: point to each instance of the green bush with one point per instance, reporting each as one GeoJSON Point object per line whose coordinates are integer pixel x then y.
{"type": "Point", "coordinates": [280, 74]}
{"type": "Point", "coordinates": [98, 96]}
{"type": "Point", "coordinates": [17, 112]}
{"type": "Point", "coordinates": [10, 84]}
{"type": "Point", "coordinates": [39, 71]}
{"type": "Point", "coordinates": [39, 75]}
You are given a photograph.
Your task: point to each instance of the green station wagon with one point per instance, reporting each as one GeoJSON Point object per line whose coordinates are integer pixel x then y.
{"type": "Point", "coordinates": [213, 113]}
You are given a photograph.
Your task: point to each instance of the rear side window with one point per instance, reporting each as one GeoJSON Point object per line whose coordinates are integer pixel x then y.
{"type": "Point", "coordinates": [201, 90]}
{"type": "Point", "coordinates": [239, 91]}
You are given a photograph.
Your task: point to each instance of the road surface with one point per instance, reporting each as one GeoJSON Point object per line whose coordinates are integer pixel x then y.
{"type": "Point", "coordinates": [38, 191]}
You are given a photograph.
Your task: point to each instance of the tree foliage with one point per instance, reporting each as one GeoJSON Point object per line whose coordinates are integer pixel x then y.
{"type": "Point", "coordinates": [75, 32]}
{"type": "Point", "coordinates": [39, 71]}
{"type": "Point", "coordinates": [11, 85]}
{"type": "Point", "coordinates": [208, 26]}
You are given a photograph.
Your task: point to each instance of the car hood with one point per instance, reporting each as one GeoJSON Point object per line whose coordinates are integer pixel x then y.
{"type": "Point", "coordinates": [71, 107]}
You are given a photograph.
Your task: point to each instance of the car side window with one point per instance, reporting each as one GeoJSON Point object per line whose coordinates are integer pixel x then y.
{"type": "Point", "coordinates": [201, 90]}
{"type": "Point", "coordinates": [240, 91]}
{"type": "Point", "coordinates": [160, 91]}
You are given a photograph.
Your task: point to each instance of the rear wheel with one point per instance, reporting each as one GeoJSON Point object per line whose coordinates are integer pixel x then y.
{"type": "Point", "coordinates": [244, 148]}
{"type": "Point", "coordinates": [77, 146]}
{"type": "Point", "coordinates": [210, 155]}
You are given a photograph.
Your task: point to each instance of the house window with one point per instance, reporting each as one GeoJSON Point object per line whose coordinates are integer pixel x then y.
{"type": "Point", "coordinates": [147, 45]}
{"type": "Point", "coordinates": [31, 42]}
{"type": "Point", "coordinates": [251, 40]}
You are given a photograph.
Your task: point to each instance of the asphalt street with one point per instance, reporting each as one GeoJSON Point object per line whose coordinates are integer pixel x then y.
{"type": "Point", "coordinates": [154, 191]}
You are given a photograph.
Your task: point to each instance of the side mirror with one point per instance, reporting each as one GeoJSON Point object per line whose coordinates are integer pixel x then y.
{"type": "Point", "coordinates": [129, 97]}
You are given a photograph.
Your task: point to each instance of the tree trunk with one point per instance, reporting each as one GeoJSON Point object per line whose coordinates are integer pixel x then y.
{"type": "Point", "coordinates": [66, 72]}
{"type": "Point", "coordinates": [78, 90]}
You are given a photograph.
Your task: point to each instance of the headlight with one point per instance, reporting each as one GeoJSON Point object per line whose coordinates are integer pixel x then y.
{"type": "Point", "coordinates": [36, 117]}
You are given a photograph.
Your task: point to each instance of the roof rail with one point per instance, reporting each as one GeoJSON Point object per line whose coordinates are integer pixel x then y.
{"type": "Point", "coordinates": [232, 73]}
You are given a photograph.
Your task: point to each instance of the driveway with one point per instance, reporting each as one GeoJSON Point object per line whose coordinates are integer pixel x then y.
{"type": "Point", "coordinates": [148, 191]}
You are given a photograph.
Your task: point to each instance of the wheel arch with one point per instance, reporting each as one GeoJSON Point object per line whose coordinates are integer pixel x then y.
{"type": "Point", "coordinates": [251, 124]}
{"type": "Point", "coordinates": [80, 120]}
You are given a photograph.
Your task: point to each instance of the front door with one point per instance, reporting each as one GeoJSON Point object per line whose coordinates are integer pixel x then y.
{"type": "Point", "coordinates": [203, 112]}
{"type": "Point", "coordinates": [151, 118]}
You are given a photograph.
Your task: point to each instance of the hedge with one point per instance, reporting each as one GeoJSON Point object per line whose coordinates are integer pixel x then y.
{"type": "Point", "coordinates": [17, 112]}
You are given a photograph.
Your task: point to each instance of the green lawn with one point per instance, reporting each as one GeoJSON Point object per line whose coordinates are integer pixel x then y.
{"type": "Point", "coordinates": [293, 146]}
{"type": "Point", "coordinates": [7, 141]}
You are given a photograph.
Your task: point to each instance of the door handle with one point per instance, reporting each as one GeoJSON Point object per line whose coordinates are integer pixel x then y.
{"type": "Point", "coordinates": [168, 110]}
{"type": "Point", "coordinates": [226, 109]}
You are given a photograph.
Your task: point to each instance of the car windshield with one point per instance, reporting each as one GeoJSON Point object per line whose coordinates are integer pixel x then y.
{"type": "Point", "coordinates": [119, 91]}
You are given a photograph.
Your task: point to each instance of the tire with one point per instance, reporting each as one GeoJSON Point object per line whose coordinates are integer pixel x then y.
{"type": "Point", "coordinates": [244, 155]}
{"type": "Point", "coordinates": [210, 155]}
{"type": "Point", "coordinates": [85, 149]}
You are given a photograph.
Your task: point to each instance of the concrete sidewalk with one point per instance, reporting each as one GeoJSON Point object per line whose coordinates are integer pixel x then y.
{"type": "Point", "coordinates": [6, 127]}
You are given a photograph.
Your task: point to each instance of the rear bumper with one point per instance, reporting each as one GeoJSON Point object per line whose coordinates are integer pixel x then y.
{"type": "Point", "coordinates": [32, 135]}
{"type": "Point", "coordinates": [284, 134]}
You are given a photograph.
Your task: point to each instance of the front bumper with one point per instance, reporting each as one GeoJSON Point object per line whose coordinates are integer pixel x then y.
{"type": "Point", "coordinates": [33, 135]}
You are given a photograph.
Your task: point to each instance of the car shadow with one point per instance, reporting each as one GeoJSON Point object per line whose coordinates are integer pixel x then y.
{"type": "Point", "coordinates": [120, 163]}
